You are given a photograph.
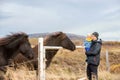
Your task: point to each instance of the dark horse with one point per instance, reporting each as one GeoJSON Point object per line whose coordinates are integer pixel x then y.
{"type": "Point", "coordinates": [10, 46]}
{"type": "Point", "coordinates": [54, 39]}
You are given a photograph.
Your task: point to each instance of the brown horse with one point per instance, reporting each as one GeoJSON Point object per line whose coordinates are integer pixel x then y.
{"type": "Point", "coordinates": [10, 46]}
{"type": "Point", "coordinates": [54, 39]}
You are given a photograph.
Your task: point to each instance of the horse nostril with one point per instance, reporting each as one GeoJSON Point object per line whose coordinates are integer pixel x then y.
{"type": "Point", "coordinates": [74, 48]}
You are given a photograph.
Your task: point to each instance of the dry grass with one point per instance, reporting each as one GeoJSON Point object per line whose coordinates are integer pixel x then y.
{"type": "Point", "coordinates": [33, 41]}
{"type": "Point", "coordinates": [104, 75]}
{"type": "Point", "coordinates": [21, 73]}
{"type": "Point", "coordinates": [68, 65]}
{"type": "Point", "coordinates": [115, 68]}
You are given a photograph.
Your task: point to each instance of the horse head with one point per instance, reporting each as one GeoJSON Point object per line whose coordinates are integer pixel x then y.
{"type": "Point", "coordinates": [19, 43]}
{"type": "Point", "coordinates": [25, 47]}
{"type": "Point", "coordinates": [60, 39]}
{"type": "Point", "coordinates": [57, 39]}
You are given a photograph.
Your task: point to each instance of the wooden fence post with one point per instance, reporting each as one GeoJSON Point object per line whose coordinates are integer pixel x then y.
{"type": "Point", "coordinates": [107, 61]}
{"type": "Point", "coordinates": [41, 55]}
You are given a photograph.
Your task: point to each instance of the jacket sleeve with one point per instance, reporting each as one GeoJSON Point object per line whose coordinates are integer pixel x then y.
{"type": "Point", "coordinates": [94, 51]}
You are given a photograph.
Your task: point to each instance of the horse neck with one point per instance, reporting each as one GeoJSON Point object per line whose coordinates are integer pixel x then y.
{"type": "Point", "coordinates": [51, 42]}
{"type": "Point", "coordinates": [11, 53]}
{"type": "Point", "coordinates": [13, 48]}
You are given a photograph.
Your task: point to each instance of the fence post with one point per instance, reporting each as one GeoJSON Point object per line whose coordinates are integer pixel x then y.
{"type": "Point", "coordinates": [41, 72]}
{"type": "Point", "coordinates": [107, 61]}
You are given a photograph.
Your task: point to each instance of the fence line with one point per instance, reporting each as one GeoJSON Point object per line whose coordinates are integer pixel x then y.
{"type": "Point", "coordinates": [41, 57]}
{"type": "Point", "coordinates": [58, 47]}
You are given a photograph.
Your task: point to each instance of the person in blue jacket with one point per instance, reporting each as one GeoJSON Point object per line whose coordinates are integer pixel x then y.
{"type": "Point", "coordinates": [93, 57]}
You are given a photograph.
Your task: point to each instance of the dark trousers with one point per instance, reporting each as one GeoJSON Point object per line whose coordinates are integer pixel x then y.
{"type": "Point", "coordinates": [92, 71]}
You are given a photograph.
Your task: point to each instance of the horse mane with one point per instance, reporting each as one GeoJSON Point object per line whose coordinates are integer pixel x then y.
{"type": "Point", "coordinates": [8, 40]}
{"type": "Point", "coordinates": [58, 36]}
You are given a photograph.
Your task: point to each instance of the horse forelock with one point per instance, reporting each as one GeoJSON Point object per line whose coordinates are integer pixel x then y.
{"type": "Point", "coordinates": [12, 37]}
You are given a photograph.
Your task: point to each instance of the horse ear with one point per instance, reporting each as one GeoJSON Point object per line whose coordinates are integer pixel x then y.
{"type": "Point", "coordinates": [26, 36]}
{"type": "Point", "coordinates": [62, 36]}
{"type": "Point", "coordinates": [55, 34]}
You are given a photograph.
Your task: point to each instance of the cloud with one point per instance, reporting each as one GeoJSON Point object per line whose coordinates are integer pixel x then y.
{"type": "Point", "coordinates": [73, 16]}
{"type": "Point", "coordinates": [28, 16]}
{"type": "Point", "coordinates": [111, 36]}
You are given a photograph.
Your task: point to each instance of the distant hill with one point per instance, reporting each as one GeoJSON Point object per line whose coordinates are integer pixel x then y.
{"type": "Point", "coordinates": [71, 36]}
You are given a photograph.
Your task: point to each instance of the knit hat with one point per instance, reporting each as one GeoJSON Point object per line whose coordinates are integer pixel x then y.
{"type": "Point", "coordinates": [96, 34]}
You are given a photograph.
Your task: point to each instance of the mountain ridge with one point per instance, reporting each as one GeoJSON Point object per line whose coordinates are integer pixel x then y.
{"type": "Point", "coordinates": [70, 35]}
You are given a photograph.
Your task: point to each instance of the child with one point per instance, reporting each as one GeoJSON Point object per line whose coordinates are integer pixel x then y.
{"type": "Point", "coordinates": [87, 42]}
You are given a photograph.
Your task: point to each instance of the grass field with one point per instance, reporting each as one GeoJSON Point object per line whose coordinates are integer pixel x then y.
{"type": "Point", "coordinates": [68, 65]}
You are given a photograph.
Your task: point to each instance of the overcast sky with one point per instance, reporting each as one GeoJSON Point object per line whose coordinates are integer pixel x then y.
{"type": "Point", "coordinates": [71, 16]}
